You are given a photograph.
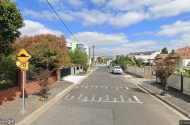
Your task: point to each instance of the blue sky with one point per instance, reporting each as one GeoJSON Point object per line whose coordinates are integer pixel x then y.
{"type": "Point", "coordinates": [113, 26]}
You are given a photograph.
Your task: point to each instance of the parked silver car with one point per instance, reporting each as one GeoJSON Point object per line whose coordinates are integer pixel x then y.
{"type": "Point", "coordinates": [117, 69]}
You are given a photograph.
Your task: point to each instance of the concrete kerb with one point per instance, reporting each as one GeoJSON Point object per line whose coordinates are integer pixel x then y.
{"type": "Point", "coordinates": [33, 116]}
{"type": "Point", "coordinates": [167, 102]}
{"type": "Point", "coordinates": [161, 99]}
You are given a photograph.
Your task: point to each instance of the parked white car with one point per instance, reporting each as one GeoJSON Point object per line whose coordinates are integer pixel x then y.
{"type": "Point", "coordinates": [117, 69]}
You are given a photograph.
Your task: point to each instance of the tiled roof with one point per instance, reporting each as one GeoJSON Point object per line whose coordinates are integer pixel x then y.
{"type": "Point", "coordinates": [183, 52]}
{"type": "Point", "coordinates": [163, 55]}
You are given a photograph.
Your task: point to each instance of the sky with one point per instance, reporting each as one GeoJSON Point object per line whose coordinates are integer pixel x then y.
{"type": "Point", "coordinates": [112, 26]}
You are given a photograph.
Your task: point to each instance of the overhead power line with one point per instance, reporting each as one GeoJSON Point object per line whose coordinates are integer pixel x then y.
{"type": "Point", "coordinates": [47, 19]}
{"type": "Point", "coordinates": [62, 21]}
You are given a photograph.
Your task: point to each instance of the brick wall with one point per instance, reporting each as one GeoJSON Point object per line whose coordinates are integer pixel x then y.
{"type": "Point", "coordinates": [11, 93]}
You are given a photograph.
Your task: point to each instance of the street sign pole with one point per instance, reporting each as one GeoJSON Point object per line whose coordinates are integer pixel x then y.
{"type": "Point", "coordinates": [23, 99]}
{"type": "Point", "coordinates": [23, 56]}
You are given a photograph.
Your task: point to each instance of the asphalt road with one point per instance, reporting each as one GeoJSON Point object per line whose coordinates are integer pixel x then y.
{"type": "Point", "coordinates": [107, 99]}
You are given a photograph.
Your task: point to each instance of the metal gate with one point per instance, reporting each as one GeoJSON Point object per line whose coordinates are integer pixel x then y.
{"type": "Point", "coordinates": [65, 72]}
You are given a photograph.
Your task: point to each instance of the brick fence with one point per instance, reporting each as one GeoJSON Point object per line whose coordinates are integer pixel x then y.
{"type": "Point", "coordinates": [11, 93]}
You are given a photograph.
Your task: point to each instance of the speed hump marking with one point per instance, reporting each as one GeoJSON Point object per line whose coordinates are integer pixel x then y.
{"type": "Point", "coordinates": [23, 56]}
{"type": "Point", "coordinates": [23, 66]}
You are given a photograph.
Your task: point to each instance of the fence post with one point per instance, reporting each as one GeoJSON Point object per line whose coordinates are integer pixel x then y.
{"type": "Point", "coordinates": [181, 82]}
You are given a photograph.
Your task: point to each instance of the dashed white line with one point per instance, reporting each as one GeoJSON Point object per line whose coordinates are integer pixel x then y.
{"type": "Point", "coordinates": [72, 97]}
{"type": "Point", "coordinates": [107, 97]}
{"type": "Point", "coordinates": [100, 99]}
{"type": "Point", "coordinates": [96, 87]}
{"type": "Point", "coordinates": [137, 99]}
{"type": "Point", "coordinates": [85, 99]}
{"type": "Point", "coordinates": [79, 96]}
{"type": "Point", "coordinates": [106, 87]}
{"type": "Point", "coordinates": [126, 88]}
{"type": "Point", "coordinates": [115, 100]}
{"type": "Point", "coordinates": [93, 97]}
{"type": "Point", "coordinates": [130, 100]}
{"type": "Point", "coordinates": [92, 86]}
{"type": "Point", "coordinates": [82, 86]}
{"type": "Point", "coordinates": [117, 88]}
{"type": "Point", "coordinates": [121, 98]}
{"type": "Point", "coordinates": [67, 96]}
{"type": "Point", "coordinates": [86, 87]}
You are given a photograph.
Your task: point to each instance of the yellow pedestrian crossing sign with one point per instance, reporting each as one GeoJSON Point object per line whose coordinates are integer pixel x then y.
{"type": "Point", "coordinates": [23, 56]}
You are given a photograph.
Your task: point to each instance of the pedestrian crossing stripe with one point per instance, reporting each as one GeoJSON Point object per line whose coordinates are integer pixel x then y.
{"type": "Point", "coordinates": [102, 87]}
{"type": "Point", "coordinates": [115, 100]}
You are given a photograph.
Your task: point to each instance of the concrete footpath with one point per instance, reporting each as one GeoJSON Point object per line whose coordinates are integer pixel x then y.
{"type": "Point", "coordinates": [13, 109]}
{"type": "Point", "coordinates": [175, 99]}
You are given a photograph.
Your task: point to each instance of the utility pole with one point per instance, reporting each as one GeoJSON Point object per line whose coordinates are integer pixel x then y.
{"type": "Point", "coordinates": [93, 55]}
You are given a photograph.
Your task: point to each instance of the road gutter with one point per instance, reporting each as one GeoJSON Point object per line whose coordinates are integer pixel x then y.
{"type": "Point", "coordinates": [169, 105]}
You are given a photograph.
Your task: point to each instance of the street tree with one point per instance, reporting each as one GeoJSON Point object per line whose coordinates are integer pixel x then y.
{"type": "Point", "coordinates": [164, 51]}
{"type": "Point", "coordinates": [79, 58]}
{"type": "Point", "coordinates": [47, 50]}
{"type": "Point", "coordinates": [163, 71]}
{"type": "Point", "coordinates": [10, 21]}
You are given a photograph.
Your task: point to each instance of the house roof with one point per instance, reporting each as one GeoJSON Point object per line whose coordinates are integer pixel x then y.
{"type": "Point", "coordinates": [183, 52]}
{"type": "Point", "coordinates": [163, 56]}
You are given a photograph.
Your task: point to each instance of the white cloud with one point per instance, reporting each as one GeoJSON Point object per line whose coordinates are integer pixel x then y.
{"type": "Point", "coordinates": [143, 33]}
{"type": "Point", "coordinates": [172, 8]}
{"type": "Point", "coordinates": [49, 15]}
{"type": "Point", "coordinates": [92, 17]}
{"type": "Point", "coordinates": [100, 39]}
{"type": "Point", "coordinates": [133, 5]}
{"type": "Point", "coordinates": [139, 46]}
{"type": "Point", "coordinates": [34, 28]}
{"type": "Point", "coordinates": [129, 18]}
{"type": "Point", "coordinates": [98, 2]}
{"type": "Point", "coordinates": [75, 2]}
{"type": "Point", "coordinates": [179, 27]}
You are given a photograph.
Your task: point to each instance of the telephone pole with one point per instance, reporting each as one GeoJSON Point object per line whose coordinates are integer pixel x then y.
{"type": "Point", "coordinates": [93, 55]}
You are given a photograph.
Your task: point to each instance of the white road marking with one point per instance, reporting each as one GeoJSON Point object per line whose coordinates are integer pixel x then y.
{"type": "Point", "coordinates": [122, 98]}
{"type": "Point", "coordinates": [100, 99]}
{"type": "Point", "coordinates": [115, 100]}
{"type": "Point", "coordinates": [126, 88]}
{"type": "Point", "coordinates": [96, 87]}
{"type": "Point", "coordinates": [79, 96]}
{"type": "Point", "coordinates": [67, 96]}
{"type": "Point", "coordinates": [107, 97]}
{"type": "Point", "coordinates": [121, 87]}
{"type": "Point", "coordinates": [86, 87]}
{"type": "Point", "coordinates": [130, 100]}
{"type": "Point", "coordinates": [117, 88]}
{"type": "Point", "coordinates": [92, 86]}
{"type": "Point", "coordinates": [137, 99]}
{"type": "Point", "coordinates": [72, 97]}
{"type": "Point", "coordinates": [82, 86]}
{"type": "Point", "coordinates": [106, 87]}
{"type": "Point", "coordinates": [76, 87]}
{"type": "Point", "coordinates": [85, 99]}
{"type": "Point", "coordinates": [93, 97]}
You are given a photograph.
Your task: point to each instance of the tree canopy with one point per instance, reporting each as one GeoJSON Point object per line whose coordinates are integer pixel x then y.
{"type": "Point", "coordinates": [78, 57]}
{"type": "Point", "coordinates": [47, 51]}
{"type": "Point", "coordinates": [10, 21]}
{"type": "Point", "coordinates": [164, 51]}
